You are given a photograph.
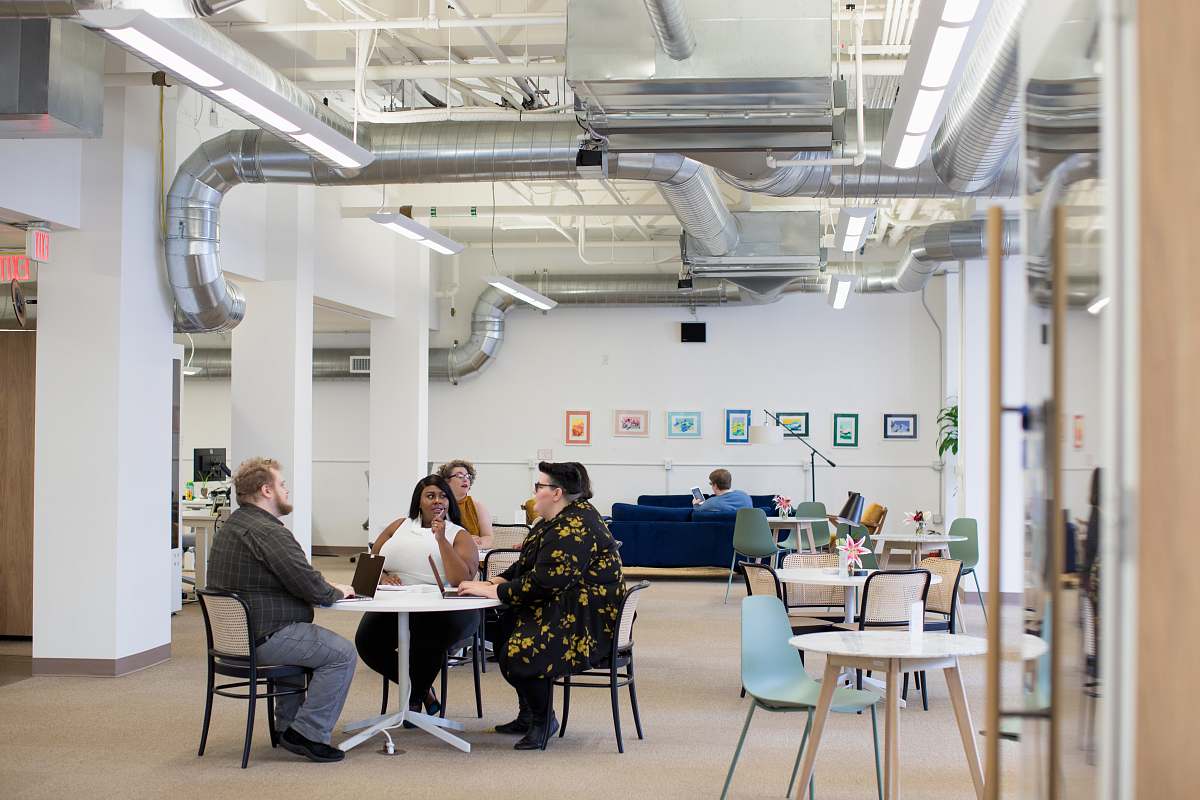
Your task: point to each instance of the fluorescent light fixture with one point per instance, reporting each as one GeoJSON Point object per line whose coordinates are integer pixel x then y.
{"type": "Point", "coordinates": [924, 110]}
{"type": "Point", "coordinates": [852, 227]}
{"type": "Point", "coordinates": [959, 12]}
{"type": "Point", "coordinates": [181, 47]}
{"type": "Point", "coordinates": [257, 110]}
{"type": "Point", "coordinates": [408, 227]}
{"type": "Point", "coordinates": [943, 56]}
{"type": "Point", "coordinates": [522, 293]}
{"type": "Point", "coordinates": [942, 38]}
{"type": "Point", "coordinates": [1099, 304]}
{"type": "Point", "coordinates": [166, 59]}
{"type": "Point", "coordinates": [839, 290]}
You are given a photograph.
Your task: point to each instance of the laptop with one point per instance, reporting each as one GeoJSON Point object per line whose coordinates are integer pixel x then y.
{"type": "Point", "coordinates": [449, 594]}
{"type": "Point", "coordinates": [367, 572]}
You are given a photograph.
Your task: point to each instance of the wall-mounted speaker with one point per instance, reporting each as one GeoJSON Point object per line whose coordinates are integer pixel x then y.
{"type": "Point", "coordinates": [693, 332]}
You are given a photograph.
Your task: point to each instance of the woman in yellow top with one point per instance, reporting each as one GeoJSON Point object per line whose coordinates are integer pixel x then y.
{"type": "Point", "coordinates": [461, 476]}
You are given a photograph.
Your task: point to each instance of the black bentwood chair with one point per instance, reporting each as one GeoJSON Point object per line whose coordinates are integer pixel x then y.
{"type": "Point", "coordinates": [610, 669]}
{"type": "Point", "coordinates": [232, 651]}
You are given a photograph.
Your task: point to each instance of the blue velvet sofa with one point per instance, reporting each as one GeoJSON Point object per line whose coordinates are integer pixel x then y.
{"type": "Point", "coordinates": [659, 532]}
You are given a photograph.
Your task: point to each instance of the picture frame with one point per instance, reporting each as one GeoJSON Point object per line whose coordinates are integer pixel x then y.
{"type": "Point", "coordinates": [794, 421]}
{"type": "Point", "coordinates": [631, 423]}
{"type": "Point", "coordinates": [577, 427]}
{"type": "Point", "coordinates": [684, 424]}
{"type": "Point", "coordinates": [737, 426]}
{"type": "Point", "coordinates": [900, 426]}
{"type": "Point", "coordinates": [845, 430]}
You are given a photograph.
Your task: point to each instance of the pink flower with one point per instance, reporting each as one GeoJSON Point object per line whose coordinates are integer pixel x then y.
{"type": "Point", "coordinates": [854, 550]}
{"type": "Point", "coordinates": [783, 504]}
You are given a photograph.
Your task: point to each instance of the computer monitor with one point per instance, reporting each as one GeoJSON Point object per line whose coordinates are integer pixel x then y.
{"type": "Point", "coordinates": [208, 464]}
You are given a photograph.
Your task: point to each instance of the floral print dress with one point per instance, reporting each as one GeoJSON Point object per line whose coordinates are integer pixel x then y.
{"type": "Point", "coordinates": [564, 593]}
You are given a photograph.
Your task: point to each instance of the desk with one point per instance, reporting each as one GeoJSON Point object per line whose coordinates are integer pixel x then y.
{"type": "Point", "coordinates": [893, 653]}
{"type": "Point", "coordinates": [204, 523]}
{"type": "Point", "coordinates": [796, 523]}
{"type": "Point", "coordinates": [402, 603]}
{"type": "Point", "coordinates": [914, 546]}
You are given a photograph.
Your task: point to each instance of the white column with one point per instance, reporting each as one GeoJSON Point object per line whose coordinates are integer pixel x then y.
{"type": "Point", "coordinates": [271, 380]}
{"type": "Point", "coordinates": [952, 494]}
{"type": "Point", "coordinates": [974, 412]}
{"type": "Point", "coordinates": [103, 431]}
{"type": "Point", "coordinates": [399, 450]}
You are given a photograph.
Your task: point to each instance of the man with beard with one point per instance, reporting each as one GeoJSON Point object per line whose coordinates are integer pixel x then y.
{"type": "Point", "coordinates": [255, 556]}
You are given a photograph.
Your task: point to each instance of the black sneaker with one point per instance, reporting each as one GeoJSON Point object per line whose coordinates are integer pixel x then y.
{"type": "Point", "coordinates": [519, 726]}
{"type": "Point", "coordinates": [297, 743]}
{"type": "Point", "coordinates": [538, 733]}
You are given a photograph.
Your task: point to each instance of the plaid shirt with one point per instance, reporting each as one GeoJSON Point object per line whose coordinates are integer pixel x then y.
{"type": "Point", "coordinates": [254, 555]}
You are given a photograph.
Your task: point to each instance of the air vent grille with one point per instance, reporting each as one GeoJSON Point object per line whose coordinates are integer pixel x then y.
{"type": "Point", "coordinates": [360, 365]}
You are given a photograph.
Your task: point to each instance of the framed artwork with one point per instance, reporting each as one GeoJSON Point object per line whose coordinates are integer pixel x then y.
{"type": "Point", "coordinates": [683, 424]}
{"type": "Point", "coordinates": [900, 426]}
{"type": "Point", "coordinates": [737, 426]}
{"type": "Point", "coordinates": [794, 421]}
{"type": "Point", "coordinates": [845, 430]}
{"type": "Point", "coordinates": [578, 427]}
{"type": "Point", "coordinates": [631, 423]}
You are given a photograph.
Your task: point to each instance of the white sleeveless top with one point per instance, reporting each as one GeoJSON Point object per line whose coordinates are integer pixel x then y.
{"type": "Point", "coordinates": [408, 550]}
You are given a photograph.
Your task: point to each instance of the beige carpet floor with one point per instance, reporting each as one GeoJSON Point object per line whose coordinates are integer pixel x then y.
{"type": "Point", "coordinates": [136, 736]}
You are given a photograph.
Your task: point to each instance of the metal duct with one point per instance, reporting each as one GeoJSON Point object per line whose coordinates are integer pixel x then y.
{"type": "Point", "coordinates": [691, 193]}
{"type": "Point", "coordinates": [42, 9]}
{"type": "Point", "coordinates": [873, 180]}
{"type": "Point", "coordinates": [671, 28]}
{"type": "Point", "coordinates": [487, 319]}
{"type": "Point", "coordinates": [327, 363]}
{"type": "Point", "coordinates": [982, 124]}
{"type": "Point", "coordinates": [417, 153]}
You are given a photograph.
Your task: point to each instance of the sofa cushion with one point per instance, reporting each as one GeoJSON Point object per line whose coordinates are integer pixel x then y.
{"type": "Point", "coordinates": [641, 513]}
{"type": "Point", "coordinates": [666, 500]}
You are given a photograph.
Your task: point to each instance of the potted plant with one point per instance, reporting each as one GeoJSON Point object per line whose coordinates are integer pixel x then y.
{"type": "Point", "coordinates": [948, 430]}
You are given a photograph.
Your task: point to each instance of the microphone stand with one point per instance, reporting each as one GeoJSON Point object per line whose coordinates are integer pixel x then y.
{"type": "Point", "coordinates": [812, 455]}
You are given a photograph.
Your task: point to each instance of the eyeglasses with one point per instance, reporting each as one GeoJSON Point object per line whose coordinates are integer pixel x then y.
{"type": "Point", "coordinates": [462, 476]}
{"type": "Point", "coordinates": [537, 486]}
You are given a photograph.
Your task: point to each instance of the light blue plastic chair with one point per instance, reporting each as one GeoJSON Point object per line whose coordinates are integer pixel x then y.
{"type": "Point", "coordinates": [794, 539]}
{"type": "Point", "coordinates": [752, 538]}
{"type": "Point", "coordinates": [775, 680]}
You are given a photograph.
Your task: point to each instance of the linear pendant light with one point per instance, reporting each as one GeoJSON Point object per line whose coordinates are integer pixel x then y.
{"type": "Point", "coordinates": [941, 43]}
{"type": "Point", "coordinates": [853, 225]}
{"type": "Point", "coordinates": [409, 228]}
{"type": "Point", "coordinates": [522, 293]}
{"type": "Point", "coordinates": [166, 44]}
{"type": "Point", "coordinates": [839, 290]}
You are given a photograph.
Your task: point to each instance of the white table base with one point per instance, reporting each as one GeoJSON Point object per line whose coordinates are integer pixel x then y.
{"type": "Point", "coordinates": [385, 722]}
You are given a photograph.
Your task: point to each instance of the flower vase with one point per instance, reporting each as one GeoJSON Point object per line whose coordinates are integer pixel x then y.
{"type": "Point", "coordinates": [843, 564]}
{"type": "Point", "coordinates": [920, 529]}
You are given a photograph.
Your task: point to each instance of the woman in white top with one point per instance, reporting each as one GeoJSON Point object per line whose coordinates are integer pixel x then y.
{"type": "Point", "coordinates": [431, 529]}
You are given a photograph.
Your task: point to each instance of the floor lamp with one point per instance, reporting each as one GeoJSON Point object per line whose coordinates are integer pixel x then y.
{"type": "Point", "coordinates": [774, 434]}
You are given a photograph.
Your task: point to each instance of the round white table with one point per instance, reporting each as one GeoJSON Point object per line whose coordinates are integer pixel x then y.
{"type": "Point", "coordinates": [913, 546]}
{"type": "Point", "coordinates": [894, 653]}
{"type": "Point", "coordinates": [818, 576]}
{"type": "Point", "coordinates": [797, 523]}
{"type": "Point", "coordinates": [403, 603]}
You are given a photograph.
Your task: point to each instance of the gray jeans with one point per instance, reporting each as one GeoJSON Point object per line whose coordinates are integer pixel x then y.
{"type": "Point", "coordinates": [332, 660]}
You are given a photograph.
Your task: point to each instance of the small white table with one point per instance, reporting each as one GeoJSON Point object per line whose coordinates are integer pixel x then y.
{"type": "Point", "coordinates": [403, 603]}
{"type": "Point", "coordinates": [204, 523]}
{"type": "Point", "coordinates": [817, 576]}
{"type": "Point", "coordinates": [894, 653]}
{"type": "Point", "coordinates": [797, 523]}
{"type": "Point", "coordinates": [913, 546]}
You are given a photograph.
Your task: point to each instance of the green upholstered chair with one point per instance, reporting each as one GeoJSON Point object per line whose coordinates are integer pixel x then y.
{"type": "Point", "coordinates": [820, 529]}
{"type": "Point", "coordinates": [776, 680]}
{"type": "Point", "coordinates": [968, 552]}
{"type": "Point", "coordinates": [752, 538]}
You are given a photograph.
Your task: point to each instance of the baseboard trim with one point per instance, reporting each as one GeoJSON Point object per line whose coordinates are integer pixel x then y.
{"type": "Point", "coordinates": [336, 550]}
{"type": "Point", "coordinates": [101, 667]}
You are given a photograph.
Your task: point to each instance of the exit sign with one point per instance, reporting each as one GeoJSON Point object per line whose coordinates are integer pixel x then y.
{"type": "Point", "coordinates": [37, 244]}
{"type": "Point", "coordinates": [14, 268]}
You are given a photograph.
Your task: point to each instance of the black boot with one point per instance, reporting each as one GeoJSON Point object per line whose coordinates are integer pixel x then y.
{"type": "Point", "coordinates": [522, 723]}
{"type": "Point", "coordinates": [539, 731]}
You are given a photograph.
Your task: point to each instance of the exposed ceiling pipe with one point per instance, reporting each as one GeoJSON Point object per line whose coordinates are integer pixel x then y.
{"type": "Point", "coordinates": [873, 180]}
{"type": "Point", "coordinates": [979, 133]}
{"type": "Point", "coordinates": [42, 9]}
{"type": "Point", "coordinates": [326, 363]}
{"type": "Point", "coordinates": [672, 28]}
{"type": "Point", "coordinates": [689, 190]}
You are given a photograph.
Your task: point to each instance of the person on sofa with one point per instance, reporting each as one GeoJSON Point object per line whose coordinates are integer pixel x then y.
{"type": "Point", "coordinates": [724, 499]}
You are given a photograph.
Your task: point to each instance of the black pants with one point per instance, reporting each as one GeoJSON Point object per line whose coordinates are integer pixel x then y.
{"type": "Point", "coordinates": [533, 694]}
{"type": "Point", "coordinates": [431, 633]}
